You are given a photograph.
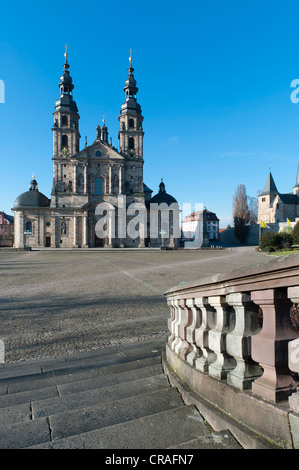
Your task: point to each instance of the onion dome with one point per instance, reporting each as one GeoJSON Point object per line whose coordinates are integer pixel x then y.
{"type": "Point", "coordinates": [130, 106]}
{"type": "Point", "coordinates": [66, 102]}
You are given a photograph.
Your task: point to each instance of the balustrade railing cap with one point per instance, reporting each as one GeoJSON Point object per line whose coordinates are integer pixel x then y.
{"type": "Point", "coordinates": [279, 272]}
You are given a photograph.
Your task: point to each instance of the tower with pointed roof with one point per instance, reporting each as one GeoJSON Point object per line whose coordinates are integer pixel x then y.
{"type": "Point", "coordinates": [296, 187]}
{"type": "Point", "coordinates": [130, 120]}
{"type": "Point", "coordinates": [275, 207]}
{"type": "Point", "coordinates": [66, 136]}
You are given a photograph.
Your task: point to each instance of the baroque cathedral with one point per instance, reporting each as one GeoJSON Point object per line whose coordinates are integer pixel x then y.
{"type": "Point", "coordinates": [83, 179]}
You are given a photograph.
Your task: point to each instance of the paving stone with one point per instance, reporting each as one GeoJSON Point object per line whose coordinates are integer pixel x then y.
{"type": "Point", "coordinates": [57, 303]}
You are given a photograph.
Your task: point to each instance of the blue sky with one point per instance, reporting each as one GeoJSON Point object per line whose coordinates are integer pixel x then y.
{"type": "Point", "coordinates": [214, 86]}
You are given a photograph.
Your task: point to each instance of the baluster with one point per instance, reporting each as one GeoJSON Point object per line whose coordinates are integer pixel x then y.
{"type": "Point", "coordinates": [175, 323]}
{"type": "Point", "coordinates": [293, 348]}
{"type": "Point", "coordinates": [178, 343]}
{"type": "Point", "coordinates": [190, 331]}
{"type": "Point", "coordinates": [217, 339]}
{"type": "Point", "coordinates": [170, 303]}
{"type": "Point", "coordinates": [186, 317]}
{"type": "Point", "coordinates": [202, 335]}
{"type": "Point", "coordinates": [270, 346]}
{"type": "Point", "coordinates": [238, 341]}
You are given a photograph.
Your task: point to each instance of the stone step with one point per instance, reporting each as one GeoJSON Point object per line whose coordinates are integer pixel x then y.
{"type": "Point", "coordinates": [61, 425]}
{"type": "Point", "coordinates": [18, 406]}
{"type": "Point", "coordinates": [157, 431]}
{"type": "Point", "coordinates": [100, 375]}
{"type": "Point", "coordinates": [216, 440]}
{"type": "Point", "coordinates": [42, 408]}
{"type": "Point", "coordinates": [111, 398]}
{"type": "Point", "coordinates": [63, 393]}
{"type": "Point", "coordinates": [76, 362]}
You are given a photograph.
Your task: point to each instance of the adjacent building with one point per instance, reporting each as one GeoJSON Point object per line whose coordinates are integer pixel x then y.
{"type": "Point", "coordinates": [6, 229]}
{"type": "Point", "coordinates": [193, 224]}
{"type": "Point", "coordinates": [275, 207]}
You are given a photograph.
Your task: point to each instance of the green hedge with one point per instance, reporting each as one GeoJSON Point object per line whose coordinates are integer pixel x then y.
{"type": "Point", "coordinates": [272, 241]}
{"type": "Point", "coordinates": [296, 234]}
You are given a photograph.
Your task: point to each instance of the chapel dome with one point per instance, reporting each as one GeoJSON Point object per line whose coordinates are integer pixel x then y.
{"type": "Point", "coordinates": [32, 198]}
{"type": "Point", "coordinates": [163, 196]}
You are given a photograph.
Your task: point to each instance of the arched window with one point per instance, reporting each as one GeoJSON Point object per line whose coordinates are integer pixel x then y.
{"type": "Point", "coordinates": [131, 122]}
{"type": "Point", "coordinates": [28, 226]}
{"type": "Point", "coordinates": [98, 187]}
{"type": "Point", "coordinates": [64, 121]}
{"type": "Point", "coordinates": [131, 143]}
{"type": "Point", "coordinates": [64, 141]}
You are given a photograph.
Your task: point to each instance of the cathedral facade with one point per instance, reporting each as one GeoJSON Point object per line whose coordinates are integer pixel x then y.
{"type": "Point", "coordinates": [91, 183]}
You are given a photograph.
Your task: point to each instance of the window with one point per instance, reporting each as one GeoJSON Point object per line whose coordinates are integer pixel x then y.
{"type": "Point", "coordinates": [131, 122]}
{"type": "Point", "coordinates": [263, 199]}
{"type": "Point", "coordinates": [98, 187]}
{"type": "Point", "coordinates": [28, 226]}
{"type": "Point", "coordinates": [131, 143]}
{"type": "Point", "coordinates": [64, 121]}
{"type": "Point", "coordinates": [64, 141]}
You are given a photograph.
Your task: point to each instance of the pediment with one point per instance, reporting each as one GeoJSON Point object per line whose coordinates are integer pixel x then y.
{"type": "Point", "coordinates": [98, 150]}
{"type": "Point", "coordinates": [106, 151]}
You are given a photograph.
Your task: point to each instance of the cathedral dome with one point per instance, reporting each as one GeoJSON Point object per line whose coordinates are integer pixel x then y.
{"type": "Point", "coordinates": [32, 198]}
{"type": "Point", "coordinates": [163, 196]}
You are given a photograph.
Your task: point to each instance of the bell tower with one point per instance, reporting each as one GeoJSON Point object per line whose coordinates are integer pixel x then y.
{"type": "Point", "coordinates": [66, 136]}
{"type": "Point", "coordinates": [130, 119]}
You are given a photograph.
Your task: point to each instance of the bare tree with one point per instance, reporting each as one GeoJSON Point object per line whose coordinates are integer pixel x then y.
{"type": "Point", "coordinates": [253, 210]}
{"type": "Point", "coordinates": [241, 213]}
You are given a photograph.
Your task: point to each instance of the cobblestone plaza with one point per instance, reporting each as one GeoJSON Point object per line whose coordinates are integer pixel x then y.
{"type": "Point", "coordinates": [57, 302]}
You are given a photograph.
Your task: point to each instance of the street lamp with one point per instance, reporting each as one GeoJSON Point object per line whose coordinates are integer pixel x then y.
{"type": "Point", "coordinates": [27, 233]}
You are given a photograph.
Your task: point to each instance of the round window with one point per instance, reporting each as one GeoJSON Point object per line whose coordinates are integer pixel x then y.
{"type": "Point", "coordinates": [98, 153]}
{"type": "Point", "coordinates": [48, 224]}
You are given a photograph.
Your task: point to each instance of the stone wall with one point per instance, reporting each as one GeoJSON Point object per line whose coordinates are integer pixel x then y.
{"type": "Point", "coordinates": [6, 240]}
{"type": "Point", "coordinates": [228, 238]}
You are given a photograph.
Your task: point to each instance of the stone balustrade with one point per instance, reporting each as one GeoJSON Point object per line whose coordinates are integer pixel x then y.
{"type": "Point", "coordinates": [235, 329]}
